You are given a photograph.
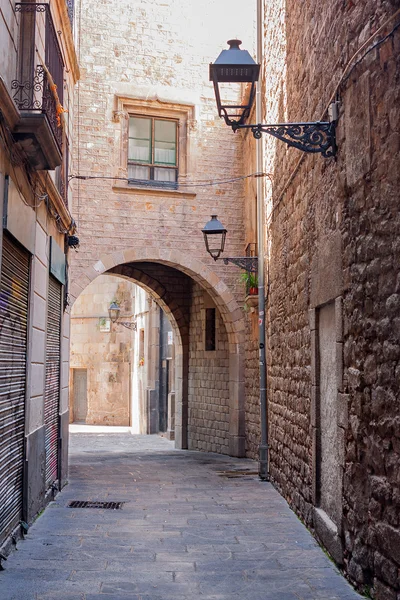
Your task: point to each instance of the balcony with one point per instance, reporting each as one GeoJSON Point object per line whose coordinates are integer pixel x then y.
{"type": "Point", "coordinates": [38, 88]}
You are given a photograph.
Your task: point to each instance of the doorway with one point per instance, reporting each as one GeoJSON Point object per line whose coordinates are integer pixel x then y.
{"type": "Point", "coordinates": [80, 404]}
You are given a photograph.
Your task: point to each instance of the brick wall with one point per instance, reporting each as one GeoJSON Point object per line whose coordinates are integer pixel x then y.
{"type": "Point", "coordinates": [333, 229]}
{"type": "Point", "coordinates": [208, 403]}
{"type": "Point", "coordinates": [164, 64]}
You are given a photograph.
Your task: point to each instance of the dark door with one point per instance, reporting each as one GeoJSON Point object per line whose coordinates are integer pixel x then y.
{"type": "Point", "coordinates": [14, 302]}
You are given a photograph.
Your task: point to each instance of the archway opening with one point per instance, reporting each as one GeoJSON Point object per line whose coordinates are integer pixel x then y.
{"type": "Point", "coordinates": [122, 373]}
{"type": "Point", "coordinates": [207, 329]}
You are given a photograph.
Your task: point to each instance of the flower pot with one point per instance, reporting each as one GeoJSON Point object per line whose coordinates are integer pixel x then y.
{"type": "Point", "coordinates": [253, 291]}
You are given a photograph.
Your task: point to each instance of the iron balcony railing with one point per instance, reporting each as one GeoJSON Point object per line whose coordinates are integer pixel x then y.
{"type": "Point", "coordinates": [70, 8]}
{"type": "Point", "coordinates": [39, 66]}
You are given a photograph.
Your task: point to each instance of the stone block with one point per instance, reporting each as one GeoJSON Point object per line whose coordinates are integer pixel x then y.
{"type": "Point", "coordinates": [312, 319]}
{"type": "Point", "coordinates": [326, 271]}
{"type": "Point", "coordinates": [327, 532]}
{"type": "Point", "coordinates": [339, 366]}
{"type": "Point", "coordinates": [343, 410]}
{"type": "Point", "coordinates": [34, 473]}
{"type": "Point", "coordinates": [339, 318]}
{"type": "Point", "coordinates": [237, 446]}
{"type": "Point", "coordinates": [37, 374]}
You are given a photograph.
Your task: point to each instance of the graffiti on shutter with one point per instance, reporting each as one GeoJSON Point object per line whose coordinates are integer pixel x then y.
{"type": "Point", "coordinates": [14, 301]}
{"type": "Point", "coordinates": [52, 391]}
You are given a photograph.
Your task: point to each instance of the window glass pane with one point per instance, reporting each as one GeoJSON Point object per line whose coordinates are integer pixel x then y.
{"type": "Point", "coordinates": [165, 142]}
{"type": "Point", "coordinates": [164, 174]}
{"type": "Point", "coordinates": [165, 131]}
{"type": "Point", "coordinates": [139, 150]}
{"type": "Point", "coordinates": [139, 139]}
{"type": "Point", "coordinates": [138, 172]}
{"type": "Point", "coordinates": [140, 128]}
{"type": "Point", "coordinates": [164, 154]}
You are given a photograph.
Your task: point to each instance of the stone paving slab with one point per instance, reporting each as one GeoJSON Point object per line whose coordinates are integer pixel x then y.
{"type": "Point", "coordinates": [186, 531]}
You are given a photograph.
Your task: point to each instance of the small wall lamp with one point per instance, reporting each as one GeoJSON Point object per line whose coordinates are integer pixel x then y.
{"type": "Point", "coordinates": [237, 66]}
{"type": "Point", "coordinates": [214, 237]}
{"type": "Point", "coordinates": [114, 311]}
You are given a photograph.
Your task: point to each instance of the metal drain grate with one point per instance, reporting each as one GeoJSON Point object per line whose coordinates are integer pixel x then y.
{"type": "Point", "coordinates": [237, 474]}
{"type": "Point", "coordinates": [87, 504]}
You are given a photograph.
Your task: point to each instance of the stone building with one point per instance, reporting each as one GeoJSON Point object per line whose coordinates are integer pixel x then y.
{"type": "Point", "coordinates": [151, 150]}
{"type": "Point", "coordinates": [333, 281]}
{"type": "Point", "coordinates": [38, 71]}
{"type": "Point", "coordinates": [102, 354]}
{"type": "Point", "coordinates": [122, 372]}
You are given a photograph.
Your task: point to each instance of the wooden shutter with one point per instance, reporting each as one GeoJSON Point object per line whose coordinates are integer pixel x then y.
{"type": "Point", "coordinates": [14, 302]}
{"type": "Point", "coordinates": [52, 390]}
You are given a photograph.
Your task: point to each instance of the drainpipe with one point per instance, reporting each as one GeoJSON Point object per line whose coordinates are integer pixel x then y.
{"type": "Point", "coordinates": [263, 469]}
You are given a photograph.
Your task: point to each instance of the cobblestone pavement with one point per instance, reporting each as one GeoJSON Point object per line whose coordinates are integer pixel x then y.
{"type": "Point", "coordinates": [193, 526]}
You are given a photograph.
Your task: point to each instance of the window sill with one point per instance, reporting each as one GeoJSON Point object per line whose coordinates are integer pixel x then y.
{"type": "Point", "coordinates": [135, 188]}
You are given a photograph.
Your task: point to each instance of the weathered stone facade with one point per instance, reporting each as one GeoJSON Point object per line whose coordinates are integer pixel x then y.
{"type": "Point", "coordinates": [333, 304]}
{"type": "Point", "coordinates": [332, 293]}
{"type": "Point", "coordinates": [104, 352]}
{"type": "Point", "coordinates": [150, 59]}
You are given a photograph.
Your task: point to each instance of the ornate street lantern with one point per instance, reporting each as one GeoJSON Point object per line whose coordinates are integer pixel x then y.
{"type": "Point", "coordinates": [214, 236]}
{"type": "Point", "coordinates": [114, 312]}
{"type": "Point", "coordinates": [235, 66]}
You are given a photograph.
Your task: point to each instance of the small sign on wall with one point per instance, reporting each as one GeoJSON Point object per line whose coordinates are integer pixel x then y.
{"type": "Point", "coordinates": [170, 338]}
{"type": "Point", "coordinates": [105, 325]}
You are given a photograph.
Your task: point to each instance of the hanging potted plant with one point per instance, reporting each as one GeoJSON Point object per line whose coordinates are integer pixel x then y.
{"type": "Point", "coordinates": [251, 281]}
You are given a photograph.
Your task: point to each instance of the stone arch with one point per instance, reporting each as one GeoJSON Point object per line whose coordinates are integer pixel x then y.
{"type": "Point", "coordinates": [125, 264]}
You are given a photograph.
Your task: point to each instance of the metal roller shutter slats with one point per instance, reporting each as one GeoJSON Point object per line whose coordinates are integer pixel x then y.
{"type": "Point", "coordinates": [14, 301]}
{"type": "Point", "coordinates": [51, 408]}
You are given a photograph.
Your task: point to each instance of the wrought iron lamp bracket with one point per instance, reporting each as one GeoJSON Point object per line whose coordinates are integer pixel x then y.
{"type": "Point", "coordinates": [314, 137]}
{"type": "Point", "coordinates": [128, 325]}
{"type": "Point", "coordinates": [247, 263]}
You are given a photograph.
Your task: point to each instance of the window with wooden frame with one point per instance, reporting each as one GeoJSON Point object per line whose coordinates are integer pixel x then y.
{"type": "Point", "coordinates": [153, 150]}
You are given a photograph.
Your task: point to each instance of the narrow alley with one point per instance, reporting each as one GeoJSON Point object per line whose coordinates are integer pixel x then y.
{"type": "Point", "coordinates": [192, 525]}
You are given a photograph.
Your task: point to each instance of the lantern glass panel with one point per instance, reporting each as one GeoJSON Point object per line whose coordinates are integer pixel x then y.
{"type": "Point", "coordinates": [114, 312]}
{"type": "Point", "coordinates": [215, 243]}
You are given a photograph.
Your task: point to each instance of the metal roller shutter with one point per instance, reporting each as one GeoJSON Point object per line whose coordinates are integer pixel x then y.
{"type": "Point", "coordinates": [14, 301]}
{"type": "Point", "coordinates": [52, 392]}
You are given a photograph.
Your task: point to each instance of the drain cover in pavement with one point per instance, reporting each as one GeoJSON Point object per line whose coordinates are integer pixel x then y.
{"type": "Point", "coordinates": [87, 504]}
{"type": "Point", "coordinates": [236, 474]}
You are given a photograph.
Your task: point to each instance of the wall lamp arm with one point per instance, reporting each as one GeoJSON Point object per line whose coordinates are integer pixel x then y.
{"type": "Point", "coordinates": [314, 137]}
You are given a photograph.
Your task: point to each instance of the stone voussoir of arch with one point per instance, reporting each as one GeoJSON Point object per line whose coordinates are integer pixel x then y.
{"type": "Point", "coordinates": [176, 259]}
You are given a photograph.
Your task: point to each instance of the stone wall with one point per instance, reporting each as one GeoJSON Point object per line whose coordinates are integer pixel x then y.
{"type": "Point", "coordinates": [252, 369]}
{"type": "Point", "coordinates": [332, 232]}
{"type": "Point", "coordinates": [105, 350]}
{"type": "Point", "coordinates": [208, 402]}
